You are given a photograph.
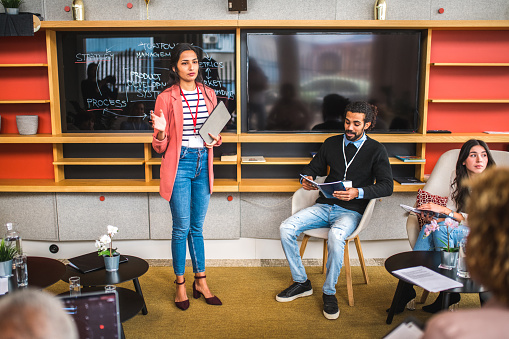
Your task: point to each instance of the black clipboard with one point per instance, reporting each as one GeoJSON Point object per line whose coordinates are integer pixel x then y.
{"type": "Point", "coordinates": [90, 262]}
{"type": "Point", "coordinates": [215, 122]}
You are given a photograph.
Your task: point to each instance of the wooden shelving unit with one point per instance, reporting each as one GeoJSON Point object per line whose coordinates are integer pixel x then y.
{"type": "Point", "coordinates": [438, 59]}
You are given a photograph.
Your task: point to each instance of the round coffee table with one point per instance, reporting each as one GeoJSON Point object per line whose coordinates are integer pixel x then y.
{"type": "Point", "coordinates": [132, 269]}
{"type": "Point", "coordinates": [43, 272]}
{"type": "Point", "coordinates": [431, 260]}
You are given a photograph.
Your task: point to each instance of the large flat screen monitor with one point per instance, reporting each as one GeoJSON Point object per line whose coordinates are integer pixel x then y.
{"type": "Point", "coordinates": [300, 81]}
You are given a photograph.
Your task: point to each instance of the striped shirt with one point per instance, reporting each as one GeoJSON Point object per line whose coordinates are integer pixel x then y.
{"type": "Point", "coordinates": [203, 114]}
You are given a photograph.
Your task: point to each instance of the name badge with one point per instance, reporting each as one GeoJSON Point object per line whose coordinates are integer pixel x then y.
{"type": "Point", "coordinates": [195, 141]}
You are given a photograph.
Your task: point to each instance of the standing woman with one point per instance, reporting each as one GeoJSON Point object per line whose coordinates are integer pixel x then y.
{"type": "Point", "coordinates": [186, 171]}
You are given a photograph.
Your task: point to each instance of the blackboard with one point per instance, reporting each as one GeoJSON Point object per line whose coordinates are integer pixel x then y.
{"type": "Point", "coordinates": [109, 81]}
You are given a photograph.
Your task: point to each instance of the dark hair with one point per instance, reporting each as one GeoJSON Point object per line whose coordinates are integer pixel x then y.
{"type": "Point", "coordinates": [174, 78]}
{"type": "Point", "coordinates": [461, 192]}
{"type": "Point", "coordinates": [370, 111]}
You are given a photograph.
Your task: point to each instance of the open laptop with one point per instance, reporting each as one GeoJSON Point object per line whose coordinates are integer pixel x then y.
{"type": "Point", "coordinates": [96, 314]}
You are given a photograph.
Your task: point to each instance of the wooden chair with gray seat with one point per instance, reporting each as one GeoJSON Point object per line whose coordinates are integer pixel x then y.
{"type": "Point", "coordinates": [438, 184]}
{"type": "Point", "coordinates": [302, 199]}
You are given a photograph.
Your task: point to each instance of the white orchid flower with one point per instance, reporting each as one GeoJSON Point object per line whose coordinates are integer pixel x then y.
{"type": "Point", "coordinates": [112, 230]}
{"type": "Point", "coordinates": [105, 239]}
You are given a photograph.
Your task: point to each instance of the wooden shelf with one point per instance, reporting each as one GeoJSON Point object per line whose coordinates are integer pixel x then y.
{"type": "Point", "coordinates": [396, 161]}
{"type": "Point", "coordinates": [98, 185]}
{"type": "Point", "coordinates": [99, 161]}
{"type": "Point", "coordinates": [320, 137]}
{"type": "Point", "coordinates": [41, 101]}
{"type": "Point", "coordinates": [470, 101]}
{"type": "Point", "coordinates": [281, 161]}
{"type": "Point", "coordinates": [269, 185]}
{"type": "Point", "coordinates": [23, 65]}
{"type": "Point", "coordinates": [217, 161]}
{"type": "Point", "coordinates": [26, 139]}
{"type": "Point", "coordinates": [226, 185]}
{"type": "Point", "coordinates": [470, 64]}
{"type": "Point", "coordinates": [406, 188]}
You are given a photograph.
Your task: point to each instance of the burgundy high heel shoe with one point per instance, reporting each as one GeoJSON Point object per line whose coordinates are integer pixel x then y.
{"type": "Point", "coordinates": [196, 294]}
{"type": "Point", "coordinates": [183, 305]}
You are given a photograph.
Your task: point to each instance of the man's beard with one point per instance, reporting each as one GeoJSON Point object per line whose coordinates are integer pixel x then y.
{"type": "Point", "coordinates": [355, 137]}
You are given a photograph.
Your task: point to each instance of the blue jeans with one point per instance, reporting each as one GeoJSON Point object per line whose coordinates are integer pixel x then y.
{"type": "Point", "coordinates": [189, 202]}
{"type": "Point", "coordinates": [436, 239]}
{"type": "Point", "coordinates": [342, 223]}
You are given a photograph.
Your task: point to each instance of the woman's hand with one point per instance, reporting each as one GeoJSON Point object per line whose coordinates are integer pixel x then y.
{"type": "Point", "coordinates": [159, 123]}
{"type": "Point", "coordinates": [215, 141]}
{"type": "Point", "coordinates": [435, 208]}
{"type": "Point", "coordinates": [427, 217]}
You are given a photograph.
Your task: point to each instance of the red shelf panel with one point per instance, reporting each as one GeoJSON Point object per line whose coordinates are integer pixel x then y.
{"type": "Point", "coordinates": [469, 83]}
{"type": "Point", "coordinates": [434, 151]}
{"type": "Point", "coordinates": [9, 112]}
{"type": "Point", "coordinates": [26, 161]}
{"type": "Point", "coordinates": [24, 50]}
{"type": "Point", "coordinates": [24, 84]}
{"type": "Point", "coordinates": [470, 46]}
{"type": "Point", "coordinates": [468, 118]}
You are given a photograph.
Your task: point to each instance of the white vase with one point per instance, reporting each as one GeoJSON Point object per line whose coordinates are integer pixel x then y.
{"type": "Point", "coordinates": [27, 124]}
{"type": "Point", "coordinates": [111, 263]}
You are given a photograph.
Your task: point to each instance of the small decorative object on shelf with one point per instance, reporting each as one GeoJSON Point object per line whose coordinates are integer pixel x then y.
{"type": "Point", "coordinates": [380, 10]}
{"type": "Point", "coordinates": [11, 6]}
{"type": "Point", "coordinates": [78, 10]}
{"type": "Point", "coordinates": [229, 157]}
{"type": "Point", "coordinates": [410, 158]}
{"type": "Point", "coordinates": [27, 124]}
{"type": "Point", "coordinates": [105, 248]}
{"type": "Point", "coordinates": [146, 4]}
{"type": "Point", "coordinates": [408, 181]}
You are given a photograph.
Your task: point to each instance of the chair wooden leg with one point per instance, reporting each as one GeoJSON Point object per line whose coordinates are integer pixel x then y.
{"type": "Point", "coordinates": [304, 244]}
{"type": "Point", "coordinates": [361, 258]}
{"type": "Point", "coordinates": [424, 296]}
{"type": "Point", "coordinates": [348, 272]}
{"type": "Point", "coordinates": [325, 254]}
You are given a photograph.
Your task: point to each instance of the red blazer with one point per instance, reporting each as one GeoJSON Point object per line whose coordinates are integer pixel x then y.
{"type": "Point", "coordinates": [170, 103]}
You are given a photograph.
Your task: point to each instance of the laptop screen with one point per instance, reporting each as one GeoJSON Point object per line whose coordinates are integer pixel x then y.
{"type": "Point", "coordinates": [96, 314]}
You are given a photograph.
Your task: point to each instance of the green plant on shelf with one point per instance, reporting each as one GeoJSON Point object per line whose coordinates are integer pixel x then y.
{"type": "Point", "coordinates": [7, 251]}
{"type": "Point", "coordinates": [11, 3]}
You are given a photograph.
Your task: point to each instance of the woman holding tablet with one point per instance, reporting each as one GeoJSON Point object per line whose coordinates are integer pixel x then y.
{"type": "Point", "coordinates": [186, 171]}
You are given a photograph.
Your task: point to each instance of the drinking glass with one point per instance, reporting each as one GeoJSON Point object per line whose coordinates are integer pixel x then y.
{"type": "Point", "coordinates": [20, 262]}
{"type": "Point", "coordinates": [74, 286]}
{"type": "Point", "coordinates": [110, 288]}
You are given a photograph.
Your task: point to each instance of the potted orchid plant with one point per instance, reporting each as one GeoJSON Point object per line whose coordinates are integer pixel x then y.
{"type": "Point", "coordinates": [105, 248]}
{"type": "Point", "coordinates": [449, 254]}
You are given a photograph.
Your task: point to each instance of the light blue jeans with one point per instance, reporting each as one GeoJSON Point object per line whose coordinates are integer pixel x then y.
{"type": "Point", "coordinates": [342, 223]}
{"type": "Point", "coordinates": [189, 202]}
{"type": "Point", "coordinates": [433, 242]}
